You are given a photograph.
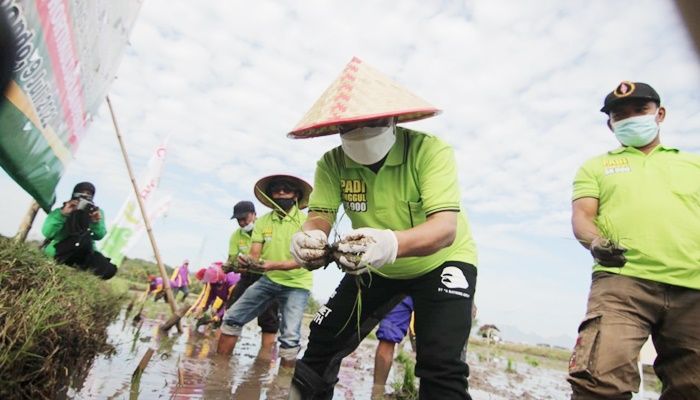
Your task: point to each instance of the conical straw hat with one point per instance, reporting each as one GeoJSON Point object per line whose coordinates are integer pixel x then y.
{"type": "Point", "coordinates": [260, 190]}
{"type": "Point", "coordinates": [360, 93]}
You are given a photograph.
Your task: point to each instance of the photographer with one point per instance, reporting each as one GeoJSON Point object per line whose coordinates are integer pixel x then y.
{"type": "Point", "coordinates": [72, 229]}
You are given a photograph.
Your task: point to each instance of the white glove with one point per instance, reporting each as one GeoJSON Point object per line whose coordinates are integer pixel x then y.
{"type": "Point", "coordinates": [376, 248]}
{"type": "Point", "coordinates": [309, 248]}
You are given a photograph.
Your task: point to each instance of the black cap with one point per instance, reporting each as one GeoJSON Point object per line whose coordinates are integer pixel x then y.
{"type": "Point", "coordinates": [630, 90]}
{"type": "Point", "coordinates": [242, 208]}
{"type": "Point", "coordinates": [84, 187]}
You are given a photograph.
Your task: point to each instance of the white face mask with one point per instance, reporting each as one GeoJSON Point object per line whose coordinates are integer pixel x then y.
{"type": "Point", "coordinates": [248, 227]}
{"type": "Point", "coordinates": [368, 145]}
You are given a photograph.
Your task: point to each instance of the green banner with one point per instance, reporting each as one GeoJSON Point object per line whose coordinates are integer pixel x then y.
{"type": "Point", "coordinates": [67, 54]}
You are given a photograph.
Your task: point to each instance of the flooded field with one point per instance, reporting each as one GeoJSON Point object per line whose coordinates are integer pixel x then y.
{"type": "Point", "coordinates": [185, 366]}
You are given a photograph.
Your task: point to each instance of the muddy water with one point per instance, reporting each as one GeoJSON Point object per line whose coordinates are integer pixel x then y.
{"type": "Point", "coordinates": [185, 366]}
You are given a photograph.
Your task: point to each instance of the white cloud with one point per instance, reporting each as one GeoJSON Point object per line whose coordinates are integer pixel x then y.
{"type": "Point", "coordinates": [520, 84]}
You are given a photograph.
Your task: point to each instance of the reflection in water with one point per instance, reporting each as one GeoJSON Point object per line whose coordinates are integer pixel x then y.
{"type": "Point", "coordinates": [186, 366]}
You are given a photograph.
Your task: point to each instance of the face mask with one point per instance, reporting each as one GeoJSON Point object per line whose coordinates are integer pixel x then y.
{"type": "Point", "coordinates": [285, 204]}
{"type": "Point", "coordinates": [636, 131]}
{"type": "Point", "coordinates": [248, 227]}
{"type": "Point", "coordinates": [368, 145]}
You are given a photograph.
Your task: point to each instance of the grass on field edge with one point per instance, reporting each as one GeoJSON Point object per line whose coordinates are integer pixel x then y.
{"type": "Point", "coordinates": [53, 321]}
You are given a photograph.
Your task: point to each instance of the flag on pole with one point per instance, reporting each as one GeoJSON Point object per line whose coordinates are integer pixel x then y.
{"type": "Point", "coordinates": [128, 225]}
{"type": "Point", "coordinates": [67, 55]}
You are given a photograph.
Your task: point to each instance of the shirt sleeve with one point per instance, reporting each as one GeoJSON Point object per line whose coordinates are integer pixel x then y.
{"type": "Point", "coordinates": [585, 183]}
{"type": "Point", "coordinates": [98, 228]}
{"type": "Point", "coordinates": [257, 235]}
{"type": "Point", "coordinates": [437, 177]}
{"type": "Point", "coordinates": [233, 245]}
{"type": "Point", "coordinates": [53, 224]}
{"type": "Point", "coordinates": [326, 194]}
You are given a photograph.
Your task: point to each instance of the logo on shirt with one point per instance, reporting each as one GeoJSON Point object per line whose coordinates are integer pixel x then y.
{"type": "Point", "coordinates": [354, 194]}
{"type": "Point", "coordinates": [453, 278]}
{"type": "Point", "coordinates": [616, 166]}
{"type": "Point", "coordinates": [267, 235]}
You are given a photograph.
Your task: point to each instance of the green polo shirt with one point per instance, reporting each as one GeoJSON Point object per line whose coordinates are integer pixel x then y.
{"type": "Point", "coordinates": [275, 234]}
{"type": "Point", "coordinates": [650, 204]}
{"type": "Point", "coordinates": [239, 244]}
{"type": "Point", "coordinates": [418, 178]}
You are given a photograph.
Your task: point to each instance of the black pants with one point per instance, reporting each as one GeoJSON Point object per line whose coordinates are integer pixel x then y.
{"type": "Point", "coordinates": [268, 321]}
{"type": "Point", "coordinates": [443, 301]}
{"type": "Point", "coordinates": [91, 260]}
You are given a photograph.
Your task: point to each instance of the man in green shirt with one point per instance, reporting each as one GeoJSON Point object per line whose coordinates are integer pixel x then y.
{"type": "Point", "coordinates": [71, 230]}
{"type": "Point", "coordinates": [240, 244]}
{"type": "Point", "coordinates": [637, 209]}
{"type": "Point", "coordinates": [283, 280]}
{"type": "Point", "coordinates": [410, 236]}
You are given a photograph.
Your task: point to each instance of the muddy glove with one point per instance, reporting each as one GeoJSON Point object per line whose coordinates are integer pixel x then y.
{"type": "Point", "coordinates": [366, 247]}
{"type": "Point", "coordinates": [248, 264]}
{"type": "Point", "coordinates": [607, 253]}
{"type": "Point", "coordinates": [310, 249]}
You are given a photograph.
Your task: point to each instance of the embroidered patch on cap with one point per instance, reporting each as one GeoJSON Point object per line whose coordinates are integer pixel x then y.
{"type": "Point", "coordinates": [624, 89]}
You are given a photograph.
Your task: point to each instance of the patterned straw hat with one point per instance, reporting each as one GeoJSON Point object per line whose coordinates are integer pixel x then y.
{"type": "Point", "coordinates": [360, 93]}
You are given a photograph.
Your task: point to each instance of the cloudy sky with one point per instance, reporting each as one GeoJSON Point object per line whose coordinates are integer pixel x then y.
{"type": "Point", "coordinates": [520, 84]}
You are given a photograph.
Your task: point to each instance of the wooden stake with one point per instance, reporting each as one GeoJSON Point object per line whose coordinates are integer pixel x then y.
{"type": "Point", "coordinates": [175, 319]}
{"type": "Point", "coordinates": [27, 222]}
{"type": "Point", "coordinates": [142, 364]}
{"type": "Point", "coordinates": [146, 221]}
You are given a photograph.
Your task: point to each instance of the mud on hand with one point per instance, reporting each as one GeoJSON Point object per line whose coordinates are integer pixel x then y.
{"type": "Point", "coordinates": [248, 263]}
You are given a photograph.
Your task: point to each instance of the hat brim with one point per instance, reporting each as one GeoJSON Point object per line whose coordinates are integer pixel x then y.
{"type": "Point", "coordinates": [240, 215]}
{"type": "Point", "coordinates": [333, 127]}
{"type": "Point", "coordinates": [606, 108]}
{"type": "Point", "coordinates": [262, 196]}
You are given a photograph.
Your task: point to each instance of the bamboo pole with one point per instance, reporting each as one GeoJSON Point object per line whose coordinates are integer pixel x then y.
{"type": "Point", "coordinates": [146, 221]}
{"type": "Point", "coordinates": [26, 224]}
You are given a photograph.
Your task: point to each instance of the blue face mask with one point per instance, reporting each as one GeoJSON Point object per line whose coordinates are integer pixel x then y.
{"type": "Point", "coordinates": [636, 131]}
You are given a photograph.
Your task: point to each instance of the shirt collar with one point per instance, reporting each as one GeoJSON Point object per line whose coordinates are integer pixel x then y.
{"type": "Point", "coordinates": [397, 154]}
{"type": "Point", "coordinates": [630, 149]}
{"type": "Point", "coordinates": [292, 214]}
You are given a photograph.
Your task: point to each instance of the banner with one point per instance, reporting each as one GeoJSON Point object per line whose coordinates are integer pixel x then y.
{"type": "Point", "coordinates": [67, 55]}
{"type": "Point", "coordinates": [128, 226]}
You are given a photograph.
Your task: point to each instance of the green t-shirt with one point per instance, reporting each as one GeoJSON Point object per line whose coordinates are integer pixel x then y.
{"type": "Point", "coordinates": [239, 244]}
{"type": "Point", "coordinates": [53, 230]}
{"type": "Point", "coordinates": [650, 204]}
{"type": "Point", "coordinates": [275, 234]}
{"type": "Point", "coordinates": [418, 178]}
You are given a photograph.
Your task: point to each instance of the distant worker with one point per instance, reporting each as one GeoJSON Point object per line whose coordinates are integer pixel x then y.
{"type": "Point", "coordinates": [240, 244]}
{"type": "Point", "coordinates": [637, 210]}
{"type": "Point", "coordinates": [180, 280]}
{"type": "Point", "coordinates": [155, 287]}
{"type": "Point", "coordinates": [217, 289]}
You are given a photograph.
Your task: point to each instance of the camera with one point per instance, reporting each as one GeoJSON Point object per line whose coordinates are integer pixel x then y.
{"type": "Point", "coordinates": [85, 203]}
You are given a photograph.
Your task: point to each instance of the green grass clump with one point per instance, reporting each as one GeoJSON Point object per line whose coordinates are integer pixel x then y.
{"type": "Point", "coordinates": [510, 367]}
{"type": "Point", "coordinates": [53, 321]}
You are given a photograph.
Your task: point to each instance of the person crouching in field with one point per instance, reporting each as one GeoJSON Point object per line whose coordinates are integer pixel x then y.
{"type": "Point", "coordinates": [71, 231]}
{"type": "Point", "coordinates": [217, 290]}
